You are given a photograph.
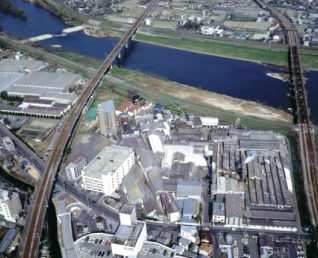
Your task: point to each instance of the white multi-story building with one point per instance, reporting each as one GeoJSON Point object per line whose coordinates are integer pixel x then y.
{"type": "Point", "coordinates": [74, 168]}
{"type": "Point", "coordinates": [130, 235]}
{"type": "Point", "coordinates": [189, 232]}
{"type": "Point", "coordinates": [105, 172]}
{"type": "Point", "coordinates": [107, 118]}
{"type": "Point", "coordinates": [8, 144]}
{"type": "Point", "coordinates": [10, 205]}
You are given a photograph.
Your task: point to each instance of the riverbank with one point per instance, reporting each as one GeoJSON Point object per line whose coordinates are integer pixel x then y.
{"type": "Point", "coordinates": [243, 50]}
{"type": "Point", "coordinates": [67, 18]}
{"type": "Point", "coordinates": [162, 87]}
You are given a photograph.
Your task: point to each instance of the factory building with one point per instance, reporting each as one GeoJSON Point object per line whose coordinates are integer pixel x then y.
{"type": "Point", "coordinates": [105, 172]}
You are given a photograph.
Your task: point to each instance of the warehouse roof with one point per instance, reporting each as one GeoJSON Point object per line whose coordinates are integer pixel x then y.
{"type": "Point", "coordinates": [7, 79]}
{"type": "Point", "coordinates": [209, 121]}
{"type": "Point", "coordinates": [108, 160]}
{"type": "Point", "coordinates": [59, 96]}
{"type": "Point", "coordinates": [61, 81]}
{"type": "Point", "coordinates": [189, 188]}
{"type": "Point", "coordinates": [155, 143]}
{"type": "Point", "coordinates": [16, 66]}
{"type": "Point", "coordinates": [233, 206]}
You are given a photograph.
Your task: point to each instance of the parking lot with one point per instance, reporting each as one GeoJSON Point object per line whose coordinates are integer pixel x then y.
{"type": "Point", "coordinates": [94, 245]}
{"type": "Point", "coordinates": [156, 250]}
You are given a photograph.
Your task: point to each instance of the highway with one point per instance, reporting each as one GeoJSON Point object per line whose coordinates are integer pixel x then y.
{"type": "Point", "coordinates": [306, 138]}
{"type": "Point", "coordinates": [34, 223]}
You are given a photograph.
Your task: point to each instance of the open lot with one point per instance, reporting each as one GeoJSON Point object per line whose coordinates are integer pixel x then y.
{"type": "Point", "coordinates": [40, 124]}
{"type": "Point", "coordinates": [82, 141]}
{"type": "Point", "coordinates": [248, 25]}
{"type": "Point", "coordinates": [32, 129]}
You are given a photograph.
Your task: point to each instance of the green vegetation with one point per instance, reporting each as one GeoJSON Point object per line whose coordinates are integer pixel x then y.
{"type": "Point", "coordinates": [86, 61]}
{"type": "Point", "coordinates": [219, 48]}
{"type": "Point", "coordinates": [7, 7]}
{"type": "Point", "coordinates": [4, 95]}
{"type": "Point", "coordinates": [3, 231]}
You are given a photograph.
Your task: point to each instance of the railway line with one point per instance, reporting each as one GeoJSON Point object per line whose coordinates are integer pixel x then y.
{"type": "Point", "coordinates": [306, 139]}
{"type": "Point", "coordinates": [34, 223]}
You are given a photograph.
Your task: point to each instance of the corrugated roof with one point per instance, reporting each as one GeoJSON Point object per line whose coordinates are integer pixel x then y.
{"type": "Point", "coordinates": [189, 188]}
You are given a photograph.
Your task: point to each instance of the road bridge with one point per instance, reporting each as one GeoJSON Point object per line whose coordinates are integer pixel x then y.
{"type": "Point", "coordinates": [34, 223]}
{"type": "Point", "coordinates": [306, 129]}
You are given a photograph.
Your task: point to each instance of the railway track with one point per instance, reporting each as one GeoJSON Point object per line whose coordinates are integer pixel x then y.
{"type": "Point", "coordinates": [34, 223]}
{"type": "Point", "coordinates": [306, 139]}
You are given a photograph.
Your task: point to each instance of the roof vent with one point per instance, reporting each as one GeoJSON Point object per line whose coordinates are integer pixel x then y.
{"type": "Point", "coordinates": [111, 160]}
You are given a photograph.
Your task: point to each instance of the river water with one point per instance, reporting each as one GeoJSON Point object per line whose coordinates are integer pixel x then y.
{"type": "Point", "coordinates": [236, 78]}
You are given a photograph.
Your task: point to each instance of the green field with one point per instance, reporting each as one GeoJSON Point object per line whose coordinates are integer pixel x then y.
{"type": "Point", "coordinates": [224, 49]}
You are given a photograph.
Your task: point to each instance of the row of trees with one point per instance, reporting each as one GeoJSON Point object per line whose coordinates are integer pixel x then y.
{"type": "Point", "coordinates": [7, 7]}
{"type": "Point", "coordinates": [4, 95]}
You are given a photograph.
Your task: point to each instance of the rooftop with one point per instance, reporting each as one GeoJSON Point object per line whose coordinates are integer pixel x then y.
{"type": "Point", "coordinates": [108, 106]}
{"type": "Point", "coordinates": [107, 161]}
{"type": "Point", "coordinates": [7, 79]}
{"type": "Point", "coordinates": [189, 188]}
{"type": "Point", "coordinates": [209, 121]}
{"type": "Point", "coordinates": [78, 158]}
{"type": "Point", "coordinates": [49, 80]}
{"type": "Point", "coordinates": [128, 235]}
{"type": "Point", "coordinates": [233, 205]}
{"type": "Point", "coordinates": [126, 209]}
{"type": "Point", "coordinates": [169, 202]}
{"type": "Point", "coordinates": [15, 66]}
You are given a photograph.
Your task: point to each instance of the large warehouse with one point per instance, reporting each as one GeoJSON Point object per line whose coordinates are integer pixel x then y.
{"type": "Point", "coordinates": [26, 78]}
{"type": "Point", "coordinates": [46, 93]}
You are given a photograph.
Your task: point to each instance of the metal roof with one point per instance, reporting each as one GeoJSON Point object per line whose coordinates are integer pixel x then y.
{"type": "Point", "coordinates": [15, 66]}
{"type": "Point", "coordinates": [61, 81]}
{"type": "Point", "coordinates": [8, 79]}
{"type": "Point", "coordinates": [189, 188]}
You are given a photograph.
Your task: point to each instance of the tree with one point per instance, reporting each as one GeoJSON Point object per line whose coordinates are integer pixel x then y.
{"type": "Point", "coordinates": [6, 121]}
{"type": "Point", "coordinates": [4, 94]}
{"type": "Point", "coordinates": [68, 150]}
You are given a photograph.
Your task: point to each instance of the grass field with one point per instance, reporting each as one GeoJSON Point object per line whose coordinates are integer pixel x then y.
{"type": "Point", "coordinates": [87, 61]}
{"type": "Point", "coordinates": [224, 49]}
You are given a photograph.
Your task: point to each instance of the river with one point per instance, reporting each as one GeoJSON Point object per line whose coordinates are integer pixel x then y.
{"type": "Point", "coordinates": [236, 78]}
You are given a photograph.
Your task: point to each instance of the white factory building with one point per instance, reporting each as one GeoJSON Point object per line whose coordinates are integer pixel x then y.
{"type": "Point", "coordinates": [105, 172]}
{"type": "Point", "coordinates": [74, 168]}
{"type": "Point", "coordinates": [10, 205]}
